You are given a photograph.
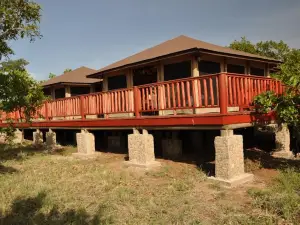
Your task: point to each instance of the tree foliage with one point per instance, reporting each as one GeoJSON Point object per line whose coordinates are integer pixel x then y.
{"type": "Point", "coordinates": [67, 70]}
{"type": "Point", "coordinates": [51, 75]}
{"type": "Point", "coordinates": [18, 90]}
{"type": "Point", "coordinates": [18, 19]}
{"type": "Point", "coordinates": [287, 105]}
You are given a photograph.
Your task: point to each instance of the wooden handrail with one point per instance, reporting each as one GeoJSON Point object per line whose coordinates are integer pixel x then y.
{"type": "Point", "coordinates": [220, 90]}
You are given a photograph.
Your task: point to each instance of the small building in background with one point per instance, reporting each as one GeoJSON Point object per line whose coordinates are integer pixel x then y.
{"type": "Point", "coordinates": [72, 83]}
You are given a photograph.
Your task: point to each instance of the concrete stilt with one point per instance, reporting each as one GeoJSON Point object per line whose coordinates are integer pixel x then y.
{"type": "Point", "coordinates": [85, 143]}
{"type": "Point", "coordinates": [229, 163]}
{"type": "Point", "coordinates": [141, 150]}
{"type": "Point", "coordinates": [51, 138]}
{"type": "Point", "coordinates": [282, 138]}
{"type": "Point", "coordinates": [18, 137]}
{"type": "Point", "coordinates": [172, 147]}
{"type": "Point", "coordinates": [37, 138]}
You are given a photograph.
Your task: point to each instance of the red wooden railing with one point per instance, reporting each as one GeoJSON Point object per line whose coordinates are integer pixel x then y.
{"type": "Point", "coordinates": [188, 93]}
{"type": "Point", "coordinates": [242, 89]}
{"type": "Point", "coordinates": [207, 91]}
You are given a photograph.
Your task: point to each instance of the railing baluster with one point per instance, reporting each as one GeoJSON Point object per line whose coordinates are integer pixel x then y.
{"type": "Point", "coordinates": [212, 99]}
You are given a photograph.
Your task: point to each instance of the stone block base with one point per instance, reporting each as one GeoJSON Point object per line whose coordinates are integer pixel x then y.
{"type": "Point", "coordinates": [283, 154]}
{"type": "Point", "coordinates": [141, 149]}
{"type": "Point", "coordinates": [172, 148]}
{"type": "Point", "coordinates": [234, 182]}
{"type": "Point", "coordinates": [282, 138]}
{"type": "Point", "coordinates": [18, 137]}
{"type": "Point", "coordinates": [38, 138]}
{"type": "Point", "coordinates": [229, 155]}
{"type": "Point", "coordinates": [51, 139]}
{"type": "Point", "coordinates": [85, 143]}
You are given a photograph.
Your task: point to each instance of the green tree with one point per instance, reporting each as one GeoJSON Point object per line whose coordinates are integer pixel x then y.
{"type": "Point", "coordinates": [18, 90]}
{"type": "Point", "coordinates": [67, 70]}
{"type": "Point", "coordinates": [272, 49]}
{"type": "Point", "coordinates": [244, 45]}
{"type": "Point", "coordinates": [18, 19]}
{"type": "Point", "coordinates": [287, 105]}
{"type": "Point", "coordinates": [51, 75]}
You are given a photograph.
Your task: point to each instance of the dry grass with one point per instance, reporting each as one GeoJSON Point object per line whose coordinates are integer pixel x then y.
{"type": "Point", "coordinates": [46, 188]}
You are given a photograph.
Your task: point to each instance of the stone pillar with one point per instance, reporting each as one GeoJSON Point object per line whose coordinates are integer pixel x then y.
{"type": "Point", "coordinates": [18, 137]}
{"type": "Point", "coordinates": [172, 147]}
{"type": "Point", "coordinates": [67, 91]}
{"type": "Point", "coordinates": [92, 88]}
{"type": "Point", "coordinates": [247, 68]}
{"type": "Point", "coordinates": [37, 138]}
{"type": "Point", "coordinates": [229, 162]}
{"type": "Point", "coordinates": [223, 65]}
{"type": "Point", "coordinates": [141, 150]}
{"type": "Point", "coordinates": [50, 138]}
{"type": "Point", "coordinates": [267, 70]}
{"type": "Point", "coordinates": [282, 138]}
{"type": "Point", "coordinates": [85, 143]}
{"type": "Point", "coordinates": [129, 79]}
{"type": "Point", "coordinates": [105, 84]}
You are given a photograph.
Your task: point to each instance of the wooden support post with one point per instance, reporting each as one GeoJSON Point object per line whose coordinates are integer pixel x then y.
{"type": "Point", "coordinates": [223, 93]}
{"type": "Point", "coordinates": [136, 101]}
{"type": "Point", "coordinates": [67, 91]}
{"type": "Point", "coordinates": [82, 107]}
{"type": "Point", "coordinates": [46, 111]}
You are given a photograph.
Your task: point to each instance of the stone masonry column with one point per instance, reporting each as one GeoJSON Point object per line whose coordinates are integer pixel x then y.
{"type": "Point", "coordinates": [18, 137]}
{"type": "Point", "coordinates": [85, 143]}
{"type": "Point", "coordinates": [229, 162]}
{"type": "Point", "coordinates": [172, 147]}
{"type": "Point", "coordinates": [51, 138]}
{"type": "Point", "coordinates": [37, 138]}
{"type": "Point", "coordinates": [141, 150]}
{"type": "Point", "coordinates": [282, 138]}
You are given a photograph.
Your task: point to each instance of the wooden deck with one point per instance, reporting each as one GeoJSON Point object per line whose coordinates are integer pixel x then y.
{"type": "Point", "coordinates": [209, 100]}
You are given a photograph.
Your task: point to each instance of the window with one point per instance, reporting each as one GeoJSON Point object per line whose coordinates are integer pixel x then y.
{"type": "Point", "coordinates": [235, 69]}
{"type": "Point", "coordinates": [79, 91]}
{"type": "Point", "coordinates": [98, 87]}
{"type": "Point", "coordinates": [47, 92]}
{"type": "Point", "coordinates": [208, 67]}
{"type": "Point", "coordinates": [146, 75]}
{"type": "Point", "coordinates": [117, 82]}
{"type": "Point", "coordinates": [59, 93]}
{"type": "Point", "coordinates": [177, 70]}
{"type": "Point", "coordinates": [257, 71]}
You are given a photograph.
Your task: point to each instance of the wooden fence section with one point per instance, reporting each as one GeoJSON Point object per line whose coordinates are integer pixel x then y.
{"type": "Point", "coordinates": [207, 91]}
{"type": "Point", "coordinates": [242, 89]}
{"type": "Point", "coordinates": [189, 93]}
{"type": "Point", "coordinates": [119, 101]}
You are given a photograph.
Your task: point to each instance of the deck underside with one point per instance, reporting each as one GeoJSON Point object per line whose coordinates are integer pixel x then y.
{"type": "Point", "coordinates": [204, 121]}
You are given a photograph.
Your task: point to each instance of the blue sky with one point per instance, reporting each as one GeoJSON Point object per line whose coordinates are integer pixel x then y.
{"type": "Point", "coordinates": [95, 33]}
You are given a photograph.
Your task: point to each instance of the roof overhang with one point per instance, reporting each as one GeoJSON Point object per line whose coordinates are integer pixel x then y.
{"type": "Point", "coordinates": [69, 84]}
{"type": "Point", "coordinates": [99, 74]}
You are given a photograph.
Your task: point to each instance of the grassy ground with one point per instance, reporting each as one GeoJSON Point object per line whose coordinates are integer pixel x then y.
{"type": "Point", "coordinates": [37, 187]}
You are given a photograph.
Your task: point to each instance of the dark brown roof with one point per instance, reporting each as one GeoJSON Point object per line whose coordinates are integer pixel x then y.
{"type": "Point", "coordinates": [77, 76]}
{"type": "Point", "coordinates": [178, 44]}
